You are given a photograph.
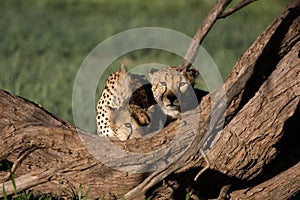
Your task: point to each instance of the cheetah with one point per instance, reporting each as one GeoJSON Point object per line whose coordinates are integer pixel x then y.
{"type": "Point", "coordinates": [173, 90]}
{"type": "Point", "coordinates": [121, 109]}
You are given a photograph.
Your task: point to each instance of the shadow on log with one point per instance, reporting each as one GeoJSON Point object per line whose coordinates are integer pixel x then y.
{"type": "Point", "coordinates": [255, 152]}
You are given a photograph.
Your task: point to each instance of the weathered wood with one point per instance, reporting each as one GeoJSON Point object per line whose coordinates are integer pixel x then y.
{"type": "Point", "coordinates": [258, 126]}
{"type": "Point", "coordinates": [282, 186]}
{"type": "Point", "coordinates": [244, 142]}
{"type": "Point", "coordinates": [57, 158]}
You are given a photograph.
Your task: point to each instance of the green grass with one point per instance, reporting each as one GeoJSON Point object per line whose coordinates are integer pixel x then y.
{"type": "Point", "coordinates": [28, 195]}
{"type": "Point", "coordinates": [44, 42]}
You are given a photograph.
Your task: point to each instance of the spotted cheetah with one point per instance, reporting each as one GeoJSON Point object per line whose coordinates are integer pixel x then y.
{"type": "Point", "coordinates": [121, 109]}
{"type": "Point", "coordinates": [173, 90]}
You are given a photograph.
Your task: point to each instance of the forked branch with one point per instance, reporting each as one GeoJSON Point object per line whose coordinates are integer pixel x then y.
{"type": "Point", "coordinates": [235, 8]}
{"type": "Point", "coordinates": [216, 13]}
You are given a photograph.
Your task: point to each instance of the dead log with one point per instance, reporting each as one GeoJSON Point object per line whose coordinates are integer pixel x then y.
{"type": "Point", "coordinates": [282, 186]}
{"type": "Point", "coordinates": [48, 155]}
{"type": "Point", "coordinates": [252, 138]}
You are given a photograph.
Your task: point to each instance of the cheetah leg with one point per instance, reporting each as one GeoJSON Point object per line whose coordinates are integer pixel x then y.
{"type": "Point", "coordinates": [205, 168]}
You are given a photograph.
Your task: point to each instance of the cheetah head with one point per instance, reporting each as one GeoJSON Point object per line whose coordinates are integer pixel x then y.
{"type": "Point", "coordinates": [126, 121]}
{"type": "Point", "coordinates": [172, 88]}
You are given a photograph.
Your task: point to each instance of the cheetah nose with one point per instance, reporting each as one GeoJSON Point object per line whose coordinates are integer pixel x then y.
{"type": "Point", "coordinates": [171, 98]}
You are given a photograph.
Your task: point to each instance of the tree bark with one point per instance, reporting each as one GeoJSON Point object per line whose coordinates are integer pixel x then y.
{"type": "Point", "coordinates": [256, 151]}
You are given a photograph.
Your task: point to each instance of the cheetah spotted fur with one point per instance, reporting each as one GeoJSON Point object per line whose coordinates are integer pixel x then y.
{"type": "Point", "coordinates": [121, 109]}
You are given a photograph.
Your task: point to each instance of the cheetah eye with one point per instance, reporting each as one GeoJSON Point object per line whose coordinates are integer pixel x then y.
{"type": "Point", "coordinates": [181, 84]}
{"type": "Point", "coordinates": [127, 125]}
{"type": "Point", "coordinates": [164, 84]}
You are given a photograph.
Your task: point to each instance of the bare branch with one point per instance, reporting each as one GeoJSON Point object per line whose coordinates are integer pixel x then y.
{"type": "Point", "coordinates": [216, 13]}
{"type": "Point", "coordinates": [236, 8]}
{"type": "Point", "coordinates": [209, 21]}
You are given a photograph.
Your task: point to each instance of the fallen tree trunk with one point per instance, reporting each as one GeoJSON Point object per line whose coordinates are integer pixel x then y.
{"type": "Point", "coordinates": [260, 132]}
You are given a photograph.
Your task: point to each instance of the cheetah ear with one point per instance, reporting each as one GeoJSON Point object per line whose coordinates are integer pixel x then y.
{"type": "Point", "coordinates": [152, 71]}
{"type": "Point", "coordinates": [110, 108]}
{"type": "Point", "coordinates": [191, 75]}
{"type": "Point", "coordinates": [193, 72]}
{"type": "Point", "coordinates": [123, 69]}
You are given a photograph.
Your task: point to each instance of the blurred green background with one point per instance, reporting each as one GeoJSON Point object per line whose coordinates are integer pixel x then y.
{"type": "Point", "coordinates": [43, 42]}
